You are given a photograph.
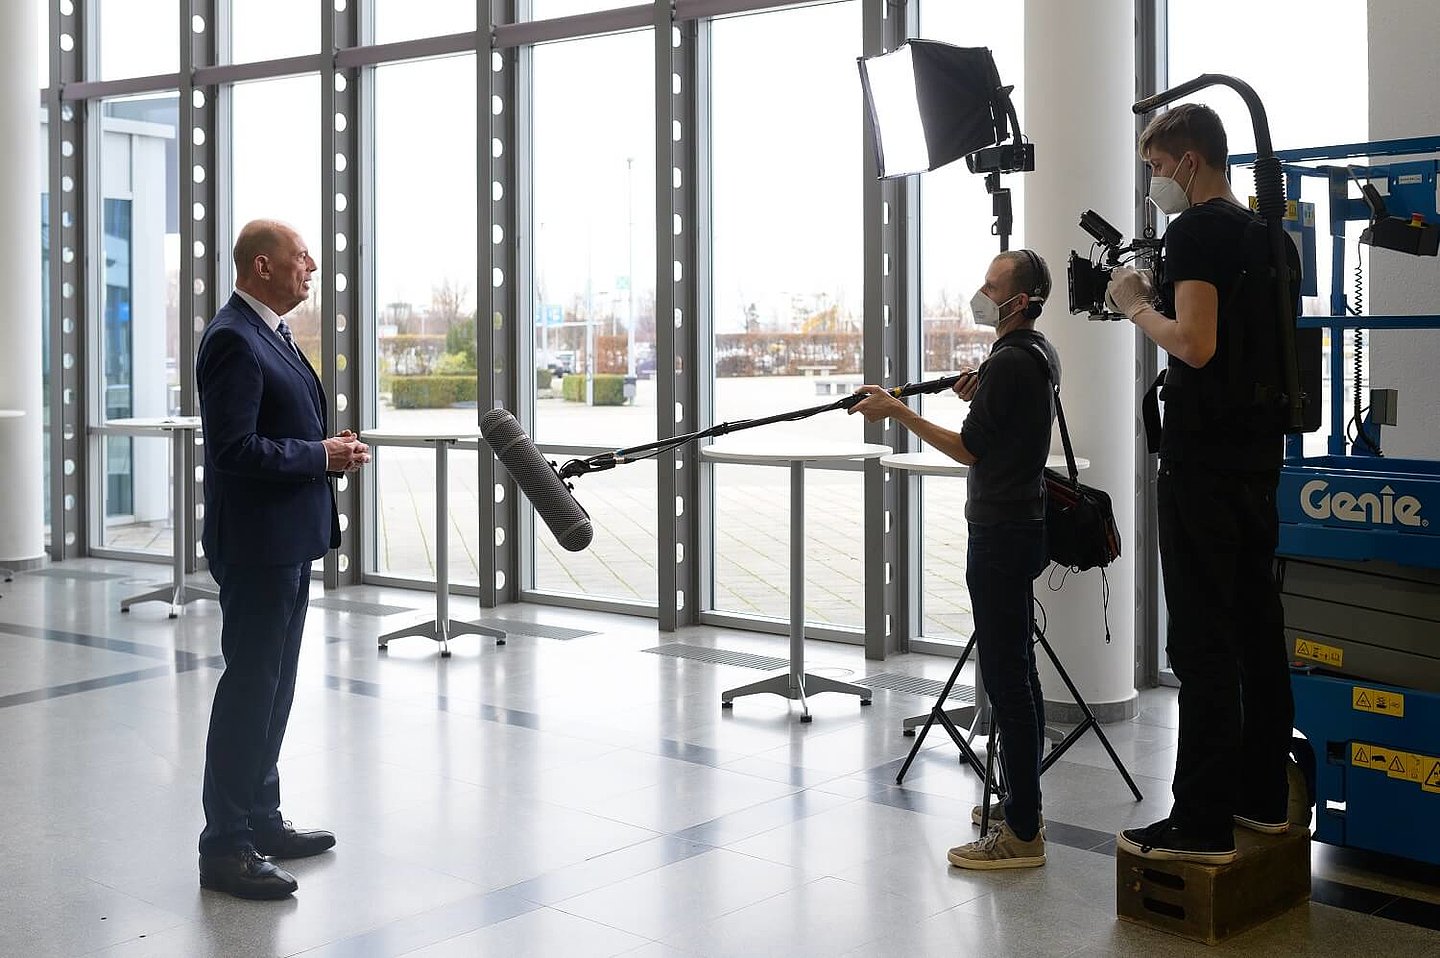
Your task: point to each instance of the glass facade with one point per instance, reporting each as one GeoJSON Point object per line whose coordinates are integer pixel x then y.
{"type": "Point", "coordinates": [569, 139]}
{"type": "Point", "coordinates": [788, 281]}
{"type": "Point", "coordinates": [593, 299]}
{"type": "Point", "coordinates": [138, 317]}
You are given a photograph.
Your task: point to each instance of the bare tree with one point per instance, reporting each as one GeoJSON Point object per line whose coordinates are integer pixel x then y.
{"type": "Point", "coordinates": [447, 305]}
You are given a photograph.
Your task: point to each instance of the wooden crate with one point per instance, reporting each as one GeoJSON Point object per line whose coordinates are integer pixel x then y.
{"type": "Point", "coordinates": [1210, 903]}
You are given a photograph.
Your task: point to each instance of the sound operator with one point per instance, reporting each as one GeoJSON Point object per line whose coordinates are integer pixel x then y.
{"type": "Point", "coordinates": [1005, 440]}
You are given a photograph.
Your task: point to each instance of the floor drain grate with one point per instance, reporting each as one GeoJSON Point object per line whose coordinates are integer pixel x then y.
{"type": "Point", "coordinates": [899, 682]}
{"type": "Point", "coordinates": [700, 653]}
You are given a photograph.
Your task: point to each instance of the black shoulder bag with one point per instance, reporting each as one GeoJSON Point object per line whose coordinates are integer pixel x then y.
{"type": "Point", "coordinates": [1079, 521]}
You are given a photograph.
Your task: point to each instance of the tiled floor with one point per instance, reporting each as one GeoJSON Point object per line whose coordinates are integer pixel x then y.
{"type": "Point", "coordinates": [566, 797]}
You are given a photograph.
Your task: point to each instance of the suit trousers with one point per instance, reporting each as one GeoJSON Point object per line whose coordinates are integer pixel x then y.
{"type": "Point", "coordinates": [1226, 643]}
{"type": "Point", "coordinates": [263, 616]}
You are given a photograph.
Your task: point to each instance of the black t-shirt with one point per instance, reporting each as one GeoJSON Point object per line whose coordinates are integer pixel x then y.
{"type": "Point", "coordinates": [1008, 430]}
{"type": "Point", "coordinates": [1205, 243]}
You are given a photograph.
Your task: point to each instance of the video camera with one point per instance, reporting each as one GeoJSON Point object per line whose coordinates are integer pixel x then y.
{"type": "Point", "coordinates": [1090, 276]}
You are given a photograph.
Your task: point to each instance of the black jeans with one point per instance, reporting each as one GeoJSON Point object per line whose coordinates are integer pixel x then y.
{"type": "Point", "coordinates": [1004, 559]}
{"type": "Point", "coordinates": [1226, 643]}
{"type": "Point", "coordinates": [262, 612]}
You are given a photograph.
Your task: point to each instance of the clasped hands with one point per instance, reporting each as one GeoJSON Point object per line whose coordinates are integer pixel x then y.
{"type": "Point", "coordinates": [879, 404]}
{"type": "Point", "coordinates": [345, 453]}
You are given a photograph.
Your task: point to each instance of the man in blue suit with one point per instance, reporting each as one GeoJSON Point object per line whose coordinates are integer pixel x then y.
{"type": "Point", "coordinates": [269, 513]}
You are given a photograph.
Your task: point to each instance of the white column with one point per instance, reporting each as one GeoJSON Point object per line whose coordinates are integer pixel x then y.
{"type": "Point", "coordinates": [1075, 104]}
{"type": "Point", "coordinates": [22, 537]}
{"type": "Point", "coordinates": [1404, 75]}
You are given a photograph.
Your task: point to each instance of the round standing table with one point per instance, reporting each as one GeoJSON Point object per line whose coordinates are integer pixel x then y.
{"type": "Point", "coordinates": [181, 430]}
{"type": "Point", "coordinates": [443, 627]}
{"type": "Point", "coordinates": [795, 683]}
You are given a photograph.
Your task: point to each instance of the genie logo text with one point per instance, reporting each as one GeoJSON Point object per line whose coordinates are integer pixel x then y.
{"type": "Point", "coordinates": [1382, 509]}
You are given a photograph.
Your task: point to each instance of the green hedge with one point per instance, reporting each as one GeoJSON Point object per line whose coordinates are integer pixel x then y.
{"type": "Point", "coordinates": [543, 378]}
{"type": "Point", "coordinates": [431, 392]}
{"type": "Point", "coordinates": [609, 388]}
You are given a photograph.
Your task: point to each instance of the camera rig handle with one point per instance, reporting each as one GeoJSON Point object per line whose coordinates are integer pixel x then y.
{"type": "Point", "coordinates": [1270, 191]}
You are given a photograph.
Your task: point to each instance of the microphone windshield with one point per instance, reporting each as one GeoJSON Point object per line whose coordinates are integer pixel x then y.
{"type": "Point", "coordinates": [537, 478]}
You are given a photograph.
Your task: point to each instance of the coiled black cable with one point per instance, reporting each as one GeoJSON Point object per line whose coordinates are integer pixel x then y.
{"type": "Point", "coordinates": [1358, 360]}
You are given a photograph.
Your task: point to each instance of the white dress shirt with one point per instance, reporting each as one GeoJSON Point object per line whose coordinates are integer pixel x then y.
{"type": "Point", "coordinates": [268, 315]}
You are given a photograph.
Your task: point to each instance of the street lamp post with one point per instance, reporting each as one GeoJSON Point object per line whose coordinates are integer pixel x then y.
{"type": "Point", "coordinates": [630, 269]}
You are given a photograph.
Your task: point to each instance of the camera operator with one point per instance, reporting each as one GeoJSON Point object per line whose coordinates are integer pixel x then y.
{"type": "Point", "coordinates": [1005, 440]}
{"type": "Point", "coordinates": [1219, 468]}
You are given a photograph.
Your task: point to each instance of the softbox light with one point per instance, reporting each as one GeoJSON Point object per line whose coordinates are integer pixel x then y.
{"type": "Point", "coordinates": [931, 103]}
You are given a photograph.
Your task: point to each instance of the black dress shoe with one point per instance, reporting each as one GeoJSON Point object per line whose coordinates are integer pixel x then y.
{"type": "Point", "coordinates": [246, 874]}
{"type": "Point", "coordinates": [288, 842]}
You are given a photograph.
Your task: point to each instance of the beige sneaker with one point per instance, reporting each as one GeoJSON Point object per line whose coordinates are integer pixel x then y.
{"type": "Point", "coordinates": [997, 814]}
{"type": "Point", "coordinates": [1001, 848]}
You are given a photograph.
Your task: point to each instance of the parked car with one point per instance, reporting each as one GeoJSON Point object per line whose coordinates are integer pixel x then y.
{"type": "Point", "coordinates": [560, 363]}
{"type": "Point", "coordinates": [644, 360]}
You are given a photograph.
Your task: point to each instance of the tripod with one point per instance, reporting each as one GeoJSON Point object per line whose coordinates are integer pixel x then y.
{"type": "Point", "coordinates": [939, 714]}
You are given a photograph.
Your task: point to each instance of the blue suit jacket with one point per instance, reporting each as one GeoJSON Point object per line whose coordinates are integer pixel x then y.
{"type": "Point", "coordinates": [267, 499]}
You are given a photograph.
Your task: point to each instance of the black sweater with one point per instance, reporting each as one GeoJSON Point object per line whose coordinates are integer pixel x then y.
{"type": "Point", "coordinates": [1008, 431]}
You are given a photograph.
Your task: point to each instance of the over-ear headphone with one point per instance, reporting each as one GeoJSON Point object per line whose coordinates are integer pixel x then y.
{"type": "Point", "coordinates": [1041, 288]}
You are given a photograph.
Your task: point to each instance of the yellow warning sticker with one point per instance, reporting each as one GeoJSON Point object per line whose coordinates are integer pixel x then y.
{"type": "Point", "coordinates": [1377, 701]}
{"type": "Point", "coordinates": [1318, 652]}
{"type": "Point", "coordinates": [1376, 757]}
{"type": "Point", "coordinates": [1430, 772]}
{"type": "Point", "coordinates": [1404, 765]}
{"type": "Point", "coordinates": [1423, 770]}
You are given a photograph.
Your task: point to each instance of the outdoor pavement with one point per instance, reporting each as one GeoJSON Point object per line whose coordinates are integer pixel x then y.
{"type": "Point", "coordinates": [752, 505]}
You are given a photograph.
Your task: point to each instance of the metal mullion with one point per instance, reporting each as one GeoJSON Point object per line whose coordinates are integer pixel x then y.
{"type": "Point", "coordinates": [677, 315]}
{"type": "Point", "coordinates": [130, 86]}
{"type": "Point", "coordinates": [904, 340]}
{"type": "Point", "coordinates": [1151, 59]}
{"type": "Point", "coordinates": [365, 353]}
{"type": "Point", "coordinates": [400, 51]}
{"type": "Point", "coordinates": [419, 585]}
{"type": "Point", "coordinates": [198, 274]}
{"type": "Point", "coordinates": [69, 229]}
{"type": "Point", "coordinates": [524, 32]}
{"type": "Point", "coordinates": [277, 69]}
{"type": "Point", "coordinates": [699, 231]}
{"type": "Point", "coordinates": [340, 162]}
{"type": "Point", "coordinates": [776, 626]}
{"type": "Point", "coordinates": [698, 9]}
{"type": "Point", "coordinates": [569, 600]}
{"type": "Point", "coordinates": [500, 329]}
{"type": "Point", "coordinates": [889, 276]}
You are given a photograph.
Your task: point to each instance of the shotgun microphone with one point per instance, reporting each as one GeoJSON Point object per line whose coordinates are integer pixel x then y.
{"type": "Point", "coordinates": [538, 479]}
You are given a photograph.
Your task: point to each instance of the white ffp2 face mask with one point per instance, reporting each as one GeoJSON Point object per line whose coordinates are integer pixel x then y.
{"type": "Point", "coordinates": [1169, 196]}
{"type": "Point", "coordinates": [985, 311]}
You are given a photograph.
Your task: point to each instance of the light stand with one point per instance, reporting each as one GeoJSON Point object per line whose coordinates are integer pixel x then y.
{"type": "Point", "coordinates": [938, 713]}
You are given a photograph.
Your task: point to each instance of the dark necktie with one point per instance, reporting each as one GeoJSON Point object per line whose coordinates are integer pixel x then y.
{"type": "Point", "coordinates": [284, 330]}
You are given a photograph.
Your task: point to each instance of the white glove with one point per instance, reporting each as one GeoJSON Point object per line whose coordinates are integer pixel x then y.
{"type": "Point", "coordinates": [1129, 291]}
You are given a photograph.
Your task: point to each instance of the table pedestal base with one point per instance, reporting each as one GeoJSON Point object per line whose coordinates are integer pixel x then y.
{"type": "Point", "coordinates": [177, 596]}
{"type": "Point", "coordinates": [795, 687]}
{"type": "Point", "coordinates": [440, 631]}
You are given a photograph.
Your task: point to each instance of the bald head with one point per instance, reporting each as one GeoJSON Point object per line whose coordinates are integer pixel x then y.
{"type": "Point", "coordinates": [259, 238]}
{"type": "Point", "coordinates": [273, 265]}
